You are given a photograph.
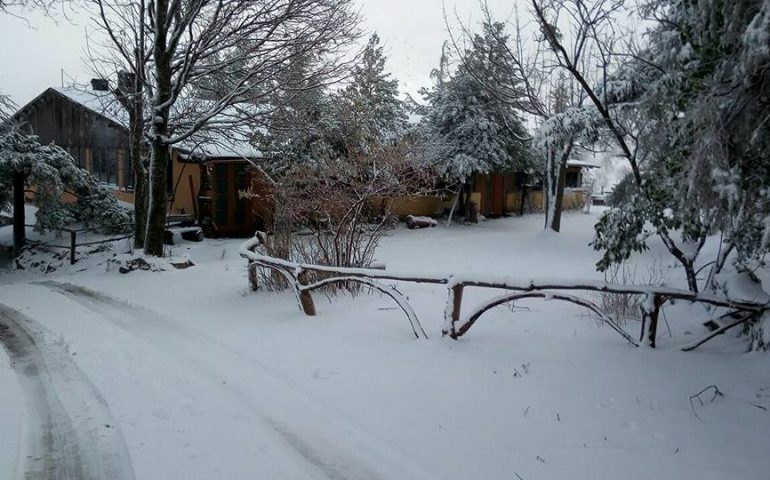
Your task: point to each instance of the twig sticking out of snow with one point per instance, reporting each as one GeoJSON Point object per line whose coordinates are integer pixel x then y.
{"type": "Point", "coordinates": [697, 396]}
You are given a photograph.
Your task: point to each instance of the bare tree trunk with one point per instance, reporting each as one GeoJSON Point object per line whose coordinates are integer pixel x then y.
{"type": "Point", "coordinates": [137, 135]}
{"type": "Point", "coordinates": [455, 204]}
{"type": "Point", "coordinates": [140, 194]}
{"type": "Point", "coordinates": [556, 179]}
{"type": "Point", "coordinates": [156, 215]}
{"type": "Point", "coordinates": [19, 219]}
{"type": "Point", "coordinates": [140, 173]}
{"type": "Point", "coordinates": [716, 269]}
{"type": "Point", "coordinates": [558, 200]}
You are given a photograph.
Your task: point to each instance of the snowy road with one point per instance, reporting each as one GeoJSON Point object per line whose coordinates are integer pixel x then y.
{"type": "Point", "coordinates": [306, 440]}
{"type": "Point", "coordinates": [68, 432]}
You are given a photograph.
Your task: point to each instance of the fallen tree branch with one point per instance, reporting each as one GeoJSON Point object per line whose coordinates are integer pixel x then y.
{"type": "Point", "coordinates": [747, 318]}
{"type": "Point", "coordinates": [386, 289]}
{"type": "Point", "coordinates": [542, 288]}
{"type": "Point", "coordinates": [486, 306]}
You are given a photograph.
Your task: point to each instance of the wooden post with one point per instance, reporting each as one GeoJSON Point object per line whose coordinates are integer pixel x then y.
{"type": "Point", "coordinates": [253, 276]}
{"type": "Point", "coordinates": [19, 224]}
{"type": "Point", "coordinates": [654, 320]}
{"type": "Point", "coordinates": [73, 246]}
{"type": "Point", "coordinates": [652, 315]}
{"type": "Point", "coordinates": [194, 197]}
{"type": "Point", "coordinates": [305, 298]}
{"type": "Point", "coordinates": [457, 305]}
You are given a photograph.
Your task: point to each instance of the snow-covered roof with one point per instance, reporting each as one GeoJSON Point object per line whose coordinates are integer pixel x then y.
{"type": "Point", "coordinates": [581, 164]}
{"type": "Point", "coordinates": [220, 139]}
{"type": "Point", "coordinates": [206, 146]}
{"type": "Point", "coordinates": [100, 102]}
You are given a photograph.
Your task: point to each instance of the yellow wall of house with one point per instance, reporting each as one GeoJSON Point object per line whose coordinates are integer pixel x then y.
{"type": "Point", "coordinates": [185, 199]}
{"type": "Point", "coordinates": [422, 205]}
{"type": "Point", "coordinates": [124, 196]}
{"type": "Point", "coordinates": [513, 202]}
{"type": "Point", "coordinates": [535, 201]}
{"type": "Point", "coordinates": [573, 200]}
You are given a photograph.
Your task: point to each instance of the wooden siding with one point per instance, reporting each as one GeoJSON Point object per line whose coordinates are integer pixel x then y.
{"type": "Point", "coordinates": [95, 142]}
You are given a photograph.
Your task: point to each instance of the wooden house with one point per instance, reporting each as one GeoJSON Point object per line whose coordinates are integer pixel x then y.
{"type": "Point", "coordinates": [221, 185]}
{"type": "Point", "coordinates": [500, 194]}
{"type": "Point", "coordinates": [497, 195]}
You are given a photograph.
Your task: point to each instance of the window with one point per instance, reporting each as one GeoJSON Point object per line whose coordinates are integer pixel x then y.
{"type": "Point", "coordinates": [104, 165]}
{"type": "Point", "coordinates": [573, 179]}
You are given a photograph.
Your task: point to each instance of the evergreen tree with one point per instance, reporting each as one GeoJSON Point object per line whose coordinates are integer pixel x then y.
{"type": "Point", "coordinates": [481, 133]}
{"type": "Point", "coordinates": [297, 130]}
{"type": "Point", "coordinates": [369, 112]}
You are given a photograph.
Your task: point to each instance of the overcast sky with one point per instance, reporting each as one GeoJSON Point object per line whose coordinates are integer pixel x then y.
{"type": "Point", "coordinates": [33, 53]}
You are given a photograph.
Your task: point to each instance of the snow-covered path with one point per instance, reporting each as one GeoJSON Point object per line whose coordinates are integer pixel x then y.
{"type": "Point", "coordinates": [297, 437]}
{"type": "Point", "coordinates": [68, 432]}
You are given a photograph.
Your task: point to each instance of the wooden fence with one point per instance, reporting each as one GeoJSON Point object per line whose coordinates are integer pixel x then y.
{"type": "Point", "coordinates": [304, 279]}
{"type": "Point", "coordinates": [73, 244]}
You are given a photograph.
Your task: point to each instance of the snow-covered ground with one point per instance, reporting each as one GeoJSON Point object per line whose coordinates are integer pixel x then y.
{"type": "Point", "coordinates": [185, 374]}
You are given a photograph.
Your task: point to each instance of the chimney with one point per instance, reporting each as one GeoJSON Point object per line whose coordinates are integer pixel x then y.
{"type": "Point", "coordinates": [126, 82]}
{"type": "Point", "coordinates": [100, 85]}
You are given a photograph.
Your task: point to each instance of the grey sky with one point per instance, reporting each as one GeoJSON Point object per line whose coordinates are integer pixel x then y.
{"type": "Point", "coordinates": [31, 57]}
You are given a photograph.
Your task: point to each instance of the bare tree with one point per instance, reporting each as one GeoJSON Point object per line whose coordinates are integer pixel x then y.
{"type": "Point", "coordinates": [241, 46]}
{"type": "Point", "coordinates": [130, 64]}
{"type": "Point", "coordinates": [46, 6]}
{"type": "Point", "coordinates": [344, 205]}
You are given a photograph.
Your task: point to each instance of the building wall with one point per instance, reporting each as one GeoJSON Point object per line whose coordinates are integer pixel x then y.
{"type": "Point", "coordinates": [419, 205]}
{"type": "Point", "coordinates": [95, 143]}
{"type": "Point", "coordinates": [573, 200]}
{"type": "Point", "coordinates": [185, 198]}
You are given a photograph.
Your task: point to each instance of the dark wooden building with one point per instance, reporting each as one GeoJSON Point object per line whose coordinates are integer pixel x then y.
{"type": "Point", "coordinates": [222, 186]}
{"type": "Point", "coordinates": [88, 124]}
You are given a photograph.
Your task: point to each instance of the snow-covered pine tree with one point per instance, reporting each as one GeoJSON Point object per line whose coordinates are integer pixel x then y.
{"type": "Point", "coordinates": [25, 163]}
{"type": "Point", "coordinates": [369, 111]}
{"type": "Point", "coordinates": [296, 131]}
{"type": "Point", "coordinates": [479, 132]}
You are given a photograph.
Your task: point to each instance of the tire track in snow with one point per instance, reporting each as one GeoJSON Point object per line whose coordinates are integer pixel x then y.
{"type": "Point", "coordinates": [68, 431]}
{"type": "Point", "coordinates": [351, 454]}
